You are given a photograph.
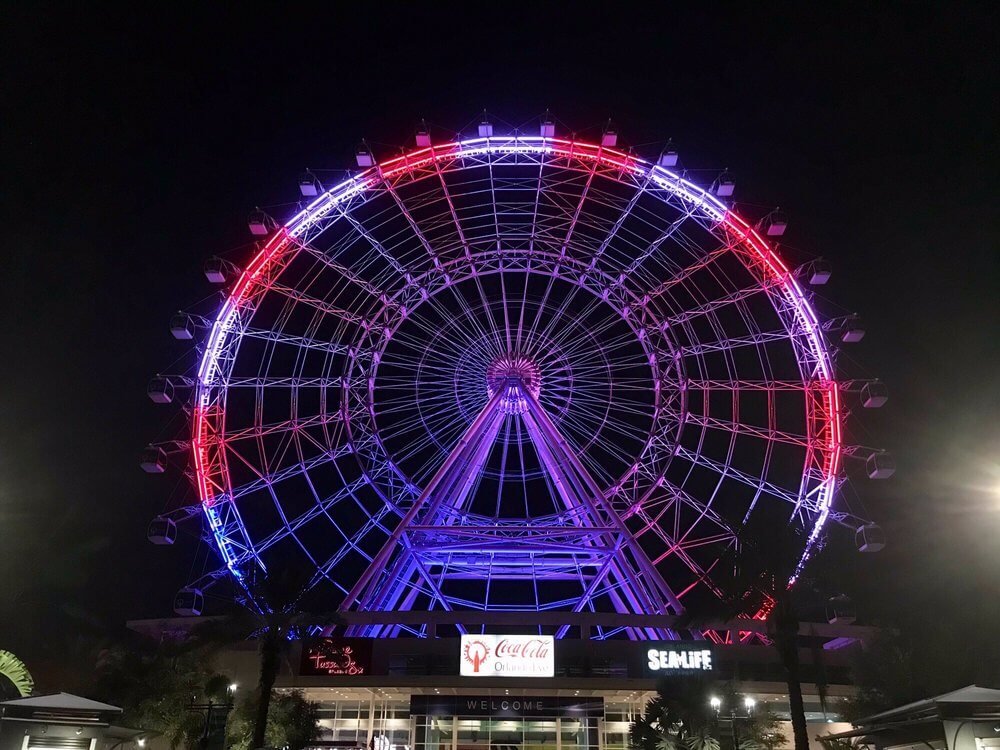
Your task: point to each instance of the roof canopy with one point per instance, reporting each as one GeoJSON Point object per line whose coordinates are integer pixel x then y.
{"type": "Point", "coordinates": [61, 701]}
{"type": "Point", "coordinates": [982, 701]}
{"type": "Point", "coordinates": [921, 721]}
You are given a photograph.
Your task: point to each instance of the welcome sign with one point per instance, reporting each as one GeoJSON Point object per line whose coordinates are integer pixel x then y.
{"type": "Point", "coordinates": [507, 656]}
{"type": "Point", "coordinates": [505, 706]}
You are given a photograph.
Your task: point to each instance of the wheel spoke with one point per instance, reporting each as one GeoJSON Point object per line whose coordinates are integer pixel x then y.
{"type": "Point", "coordinates": [539, 366]}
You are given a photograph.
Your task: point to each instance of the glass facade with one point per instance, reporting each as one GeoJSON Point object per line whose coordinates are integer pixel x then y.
{"type": "Point", "coordinates": [618, 717]}
{"type": "Point", "coordinates": [460, 733]}
{"type": "Point", "coordinates": [369, 724]}
{"type": "Point", "coordinates": [387, 725]}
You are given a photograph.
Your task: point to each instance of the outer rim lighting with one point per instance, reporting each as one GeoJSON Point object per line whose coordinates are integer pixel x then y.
{"type": "Point", "coordinates": [211, 471]}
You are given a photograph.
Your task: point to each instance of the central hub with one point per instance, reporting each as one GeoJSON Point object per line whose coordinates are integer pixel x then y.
{"type": "Point", "coordinates": [511, 374]}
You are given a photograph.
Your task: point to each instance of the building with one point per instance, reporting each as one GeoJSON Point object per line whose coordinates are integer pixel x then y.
{"type": "Point", "coordinates": [62, 722]}
{"type": "Point", "coordinates": [512, 689]}
{"type": "Point", "coordinates": [485, 390]}
{"type": "Point", "coordinates": [966, 719]}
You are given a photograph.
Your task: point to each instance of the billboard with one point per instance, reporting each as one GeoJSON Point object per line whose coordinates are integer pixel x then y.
{"type": "Point", "coordinates": [671, 658]}
{"type": "Point", "coordinates": [336, 656]}
{"type": "Point", "coordinates": [507, 656]}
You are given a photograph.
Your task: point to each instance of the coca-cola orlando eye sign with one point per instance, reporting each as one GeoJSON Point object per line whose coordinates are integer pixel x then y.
{"type": "Point", "coordinates": [507, 656]}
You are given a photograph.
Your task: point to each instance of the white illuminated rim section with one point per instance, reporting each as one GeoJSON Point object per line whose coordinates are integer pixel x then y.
{"type": "Point", "coordinates": [222, 345]}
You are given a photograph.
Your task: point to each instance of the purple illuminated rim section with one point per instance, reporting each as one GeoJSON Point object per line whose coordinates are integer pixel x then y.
{"type": "Point", "coordinates": [223, 340]}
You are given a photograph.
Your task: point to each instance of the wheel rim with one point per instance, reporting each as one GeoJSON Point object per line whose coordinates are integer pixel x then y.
{"type": "Point", "coordinates": [683, 330]}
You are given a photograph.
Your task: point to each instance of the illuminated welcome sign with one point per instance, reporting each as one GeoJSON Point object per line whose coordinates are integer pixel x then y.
{"type": "Point", "coordinates": [506, 707]}
{"type": "Point", "coordinates": [671, 659]}
{"type": "Point", "coordinates": [507, 656]}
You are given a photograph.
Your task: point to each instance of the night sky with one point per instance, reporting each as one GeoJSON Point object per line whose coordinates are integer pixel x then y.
{"type": "Point", "coordinates": [136, 142]}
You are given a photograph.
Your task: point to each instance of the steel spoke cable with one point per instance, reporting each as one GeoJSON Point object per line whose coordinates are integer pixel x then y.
{"type": "Point", "coordinates": [372, 340]}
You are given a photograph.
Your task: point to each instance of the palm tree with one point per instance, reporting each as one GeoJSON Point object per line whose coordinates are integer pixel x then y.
{"type": "Point", "coordinates": [679, 718]}
{"type": "Point", "coordinates": [784, 631]}
{"type": "Point", "coordinates": [293, 723]}
{"type": "Point", "coordinates": [676, 720]}
{"type": "Point", "coordinates": [156, 685]}
{"type": "Point", "coordinates": [271, 615]}
{"type": "Point", "coordinates": [759, 579]}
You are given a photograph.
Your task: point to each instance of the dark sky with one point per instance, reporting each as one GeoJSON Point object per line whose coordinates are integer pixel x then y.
{"type": "Point", "coordinates": [136, 141]}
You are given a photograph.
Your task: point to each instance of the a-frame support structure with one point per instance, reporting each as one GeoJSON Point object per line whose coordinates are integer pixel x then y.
{"type": "Point", "coordinates": [439, 543]}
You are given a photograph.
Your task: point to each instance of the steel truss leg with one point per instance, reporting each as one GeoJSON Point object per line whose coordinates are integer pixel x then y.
{"type": "Point", "coordinates": [461, 459]}
{"type": "Point", "coordinates": [624, 574]}
{"type": "Point", "coordinates": [645, 588]}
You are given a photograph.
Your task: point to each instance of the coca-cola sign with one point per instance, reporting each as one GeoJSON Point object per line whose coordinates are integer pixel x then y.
{"type": "Point", "coordinates": [507, 656]}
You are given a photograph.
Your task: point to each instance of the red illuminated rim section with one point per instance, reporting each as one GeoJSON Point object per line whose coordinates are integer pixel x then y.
{"type": "Point", "coordinates": [655, 331]}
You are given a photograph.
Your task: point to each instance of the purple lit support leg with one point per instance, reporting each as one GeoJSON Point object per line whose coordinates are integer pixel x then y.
{"type": "Point", "coordinates": [433, 496]}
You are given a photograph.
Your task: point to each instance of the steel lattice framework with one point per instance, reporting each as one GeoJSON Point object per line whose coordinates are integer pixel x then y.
{"type": "Point", "coordinates": [513, 373]}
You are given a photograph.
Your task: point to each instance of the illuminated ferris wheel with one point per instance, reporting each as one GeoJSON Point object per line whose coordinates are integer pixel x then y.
{"type": "Point", "coordinates": [512, 373]}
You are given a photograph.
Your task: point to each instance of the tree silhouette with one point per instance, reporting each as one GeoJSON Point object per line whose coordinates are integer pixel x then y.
{"type": "Point", "coordinates": [678, 718]}
{"type": "Point", "coordinates": [271, 615]}
{"type": "Point", "coordinates": [156, 684]}
{"type": "Point", "coordinates": [292, 722]}
{"type": "Point", "coordinates": [753, 580]}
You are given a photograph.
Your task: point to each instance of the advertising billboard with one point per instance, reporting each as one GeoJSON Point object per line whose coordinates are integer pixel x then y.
{"type": "Point", "coordinates": [336, 656]}
{"type": "Point", "coordinates": [670, 658]}
{"type": "Point", "coordinates": [507, 656]}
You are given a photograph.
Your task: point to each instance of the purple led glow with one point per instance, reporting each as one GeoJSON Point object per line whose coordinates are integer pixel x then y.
{"type": "Point", "coordinates": [514, 385]}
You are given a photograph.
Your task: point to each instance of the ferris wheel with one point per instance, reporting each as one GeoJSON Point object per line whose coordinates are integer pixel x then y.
{"type": "Point", "coordinates": [513, 372]}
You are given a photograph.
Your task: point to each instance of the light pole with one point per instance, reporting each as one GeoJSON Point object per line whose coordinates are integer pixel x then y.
{"type": "Point", "coordinates": [140, 741]}
{"type": "Point", "coordinates": [216, 718]}
{"type": "Point", "coordinates": [734, 715]}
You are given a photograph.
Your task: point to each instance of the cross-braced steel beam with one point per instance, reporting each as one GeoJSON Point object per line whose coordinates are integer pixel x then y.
{"type": "Point", "coordinates": [438, 544]}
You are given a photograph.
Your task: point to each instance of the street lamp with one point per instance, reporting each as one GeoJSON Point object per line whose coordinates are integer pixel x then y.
{"type": "Point", "coordinates": [140, 741]}
{"type": "Point", "coordinates": [733, 715]}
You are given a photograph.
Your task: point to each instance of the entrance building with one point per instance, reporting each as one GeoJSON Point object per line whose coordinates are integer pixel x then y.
{"type": "Point", "coordinates": [500, 687]}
